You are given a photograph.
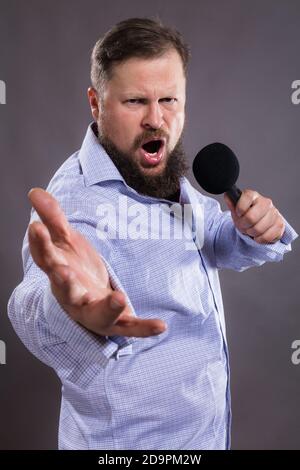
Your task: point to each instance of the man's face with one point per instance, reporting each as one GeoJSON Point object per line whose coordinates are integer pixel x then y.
{"type": "Point", "coordinates": [141, 111]}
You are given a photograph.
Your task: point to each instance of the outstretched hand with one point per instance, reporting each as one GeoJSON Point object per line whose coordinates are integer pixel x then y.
{"type": "Point", "coordinates": [78, 276]}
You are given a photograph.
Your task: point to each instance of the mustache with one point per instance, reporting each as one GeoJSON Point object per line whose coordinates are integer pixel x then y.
{"type": "Point", "coordinates": [147, 134]}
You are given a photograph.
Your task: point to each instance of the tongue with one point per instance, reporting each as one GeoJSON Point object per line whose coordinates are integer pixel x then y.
{"type": "Point", "coordinates": [151, 158]}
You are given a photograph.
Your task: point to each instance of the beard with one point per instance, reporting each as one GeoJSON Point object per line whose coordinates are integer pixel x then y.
{"type": "Point", "coordinates": [166, 184]}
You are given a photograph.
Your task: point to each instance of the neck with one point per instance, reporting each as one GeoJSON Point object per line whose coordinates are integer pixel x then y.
{"type": "Point", "coordinates": [174, 197]}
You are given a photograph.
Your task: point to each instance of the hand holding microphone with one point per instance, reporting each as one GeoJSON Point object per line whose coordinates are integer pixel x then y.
{"type": "Point", "coordinates": [216, 169]}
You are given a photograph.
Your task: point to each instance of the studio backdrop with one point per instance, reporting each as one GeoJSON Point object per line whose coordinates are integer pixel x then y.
{"type": "Point", "coordinates": [243, 90]}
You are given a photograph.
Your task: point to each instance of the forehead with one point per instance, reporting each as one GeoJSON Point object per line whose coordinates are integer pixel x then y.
{"type": "Point", "coordinates": [140, 75]}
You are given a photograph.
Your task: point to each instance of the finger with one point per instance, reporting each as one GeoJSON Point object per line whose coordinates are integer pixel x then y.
{"type": "Point", "coordinates": [112, 316]}
{"type": "Point", "coordinates": [272, 235]}
{"type": "Point", "coordinates": [100, 314]}
{"type": "Point", "coordinates": [137, 327]}
{"type": "Point", "coordinates": [43, 252]}
{"type": "Point", "coordinates": [245, 201]}
{"type": "Point", "coordinates": [51, 214]}
{"type": "Point", "coordinates": [257, 211]}
{"type": "Point", "coordinates": [266, 222]}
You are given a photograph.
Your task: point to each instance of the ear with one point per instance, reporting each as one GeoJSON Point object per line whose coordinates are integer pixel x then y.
{"type": "Point", "coordinates": [94, 102]}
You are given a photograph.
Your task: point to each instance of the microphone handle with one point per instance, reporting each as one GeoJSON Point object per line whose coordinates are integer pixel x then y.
{"type": "Point", "coordinates": [234, 193]}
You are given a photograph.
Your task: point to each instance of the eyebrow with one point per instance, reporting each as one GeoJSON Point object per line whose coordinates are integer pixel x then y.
{"type": "Point", "coordinates": [170, 91]}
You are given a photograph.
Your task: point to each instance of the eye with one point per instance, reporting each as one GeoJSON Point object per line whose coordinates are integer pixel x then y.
{"type": "Point", "coordinates": [169, 100]}
{"type": "Point", "coordinates": [135, 101]}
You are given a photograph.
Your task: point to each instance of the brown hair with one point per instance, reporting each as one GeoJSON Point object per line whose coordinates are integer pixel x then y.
{"type": "Point", "coordinates": [134, 37]}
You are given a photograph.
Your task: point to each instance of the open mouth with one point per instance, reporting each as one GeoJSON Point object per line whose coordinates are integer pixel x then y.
{"type": "Point", "coordinates": [152, 151]}
{"type": "Point", "coordinates": [153, 146]}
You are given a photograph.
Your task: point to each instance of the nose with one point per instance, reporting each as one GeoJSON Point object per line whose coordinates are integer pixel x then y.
{"type": "Point", "coordinates": [153, 118]}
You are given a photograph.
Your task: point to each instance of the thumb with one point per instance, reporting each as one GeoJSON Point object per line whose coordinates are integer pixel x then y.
{"type": "Point", "coordinates": [117, 301]}
{"type": "Point", "coordinates": [230, 204]}
{"type": "Point", "coordinates": [111, 308]}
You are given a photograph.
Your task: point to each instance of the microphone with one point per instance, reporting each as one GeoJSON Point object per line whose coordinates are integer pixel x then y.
{"type": "Point", "coordinates": [216, 169]}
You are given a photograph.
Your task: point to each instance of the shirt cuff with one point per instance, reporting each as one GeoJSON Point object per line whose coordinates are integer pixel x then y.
{"type": "Point", "coordinates": [277, 249]}
{"type": "Point", "coordinates": [85, 344]}
{"type": "Point", "coordinates": [121, 341]}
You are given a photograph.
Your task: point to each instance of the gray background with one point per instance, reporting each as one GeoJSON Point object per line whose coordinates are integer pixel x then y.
{"type": "Point", "coordinates": [245, 57]}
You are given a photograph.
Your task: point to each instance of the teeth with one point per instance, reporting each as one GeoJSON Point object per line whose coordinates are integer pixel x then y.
{"type": "Point", "coordinates": [153, 155]}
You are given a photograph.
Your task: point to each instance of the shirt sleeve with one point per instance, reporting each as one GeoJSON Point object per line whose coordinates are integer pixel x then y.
{"type": "Point", "coordinates": [49, 332]}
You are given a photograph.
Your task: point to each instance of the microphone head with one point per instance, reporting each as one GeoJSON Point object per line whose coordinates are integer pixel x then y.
{"type": "Point", "coordinates": [216, 168]}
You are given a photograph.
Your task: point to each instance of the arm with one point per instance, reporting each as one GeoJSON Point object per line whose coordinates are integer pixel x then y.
{"type": "Point", "coordinates": [250, 234]}
{"type": "Point", "coordinates": [66, 306]}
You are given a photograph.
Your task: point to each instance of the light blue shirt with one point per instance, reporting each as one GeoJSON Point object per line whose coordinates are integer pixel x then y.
{"type": "Point", "coordinates": [169, 391]}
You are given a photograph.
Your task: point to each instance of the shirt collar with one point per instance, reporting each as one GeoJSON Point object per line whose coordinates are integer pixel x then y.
{"type": "Point", "coordinates": [95, 163]}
